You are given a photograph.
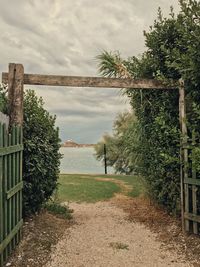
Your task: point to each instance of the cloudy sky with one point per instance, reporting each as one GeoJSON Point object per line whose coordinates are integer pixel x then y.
{"type": "Point", "coordinates": [64, 37]}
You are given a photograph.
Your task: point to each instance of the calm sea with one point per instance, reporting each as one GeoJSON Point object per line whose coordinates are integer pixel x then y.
{"type": "Point", "coordinates": [81, 160]}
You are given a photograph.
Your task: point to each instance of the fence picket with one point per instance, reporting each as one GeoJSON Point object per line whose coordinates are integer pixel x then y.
{"type": "Point", "coordinates": [1, 194]}
{"type": "Point", "coordinates": [5, 175]}
{"type": "Point", "coordinates": [10, 190]}
{"type": "Point", "coordinates": [192, 185]}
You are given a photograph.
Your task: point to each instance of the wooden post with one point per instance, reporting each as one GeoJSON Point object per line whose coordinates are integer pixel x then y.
{"type": "Point", "coordinates": [183, 156]}
{"type": "Point", "coordinates": [105, 158]}
{"type": "Point", "coordinates": [15, 93]}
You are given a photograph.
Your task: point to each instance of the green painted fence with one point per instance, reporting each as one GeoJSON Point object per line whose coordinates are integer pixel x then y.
{"type": "Point", "coordinates": [192, 185]}
{"type": "Point", "coordinates": [11, 185]}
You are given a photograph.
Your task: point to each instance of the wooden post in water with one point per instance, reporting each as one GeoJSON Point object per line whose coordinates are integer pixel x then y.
{"type": "Point", "coordinates": [183, 157]}
{"type": "Point", "coordinates": [105, 158]}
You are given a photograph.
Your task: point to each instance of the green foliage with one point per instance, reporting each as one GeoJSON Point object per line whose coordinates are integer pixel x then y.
{"type": "Point", "coordinates": [3, 99]}
{"type": "Point", "coordinates": [41, 153]}
{"type": "Point", "coordinates": [196, 158]}
{"type": "Point", "coordinates": [109, 63]}
{"type": "Point", "coordinates": [61, 210]}
{"type": "Point", "coordinates": [120, 151]}
{"type": "Point", "coordinates": [173, 51]}
{"type": "Point", "coordinates": [119, 245]}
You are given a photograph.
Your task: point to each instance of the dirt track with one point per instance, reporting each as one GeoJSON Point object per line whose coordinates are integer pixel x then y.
{"type": "Point", "coordinates": [120, 232]}
{"type": "Point", "coordinates": [102, 236]}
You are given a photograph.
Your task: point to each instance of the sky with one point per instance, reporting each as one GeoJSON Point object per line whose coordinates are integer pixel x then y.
{"type": "Point", "coordinates": [64, 37]}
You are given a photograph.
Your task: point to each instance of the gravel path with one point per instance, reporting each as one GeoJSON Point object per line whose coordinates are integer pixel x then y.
{"type": "Point", "coordinates": [103, 237]}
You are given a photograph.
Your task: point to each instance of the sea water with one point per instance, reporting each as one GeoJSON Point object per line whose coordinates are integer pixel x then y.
{"type": "Point", "coordinates": [81, 160]}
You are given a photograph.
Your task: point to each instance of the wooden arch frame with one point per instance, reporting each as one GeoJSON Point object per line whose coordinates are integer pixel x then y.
{"type": "Point", "coordinates": [16, 78]}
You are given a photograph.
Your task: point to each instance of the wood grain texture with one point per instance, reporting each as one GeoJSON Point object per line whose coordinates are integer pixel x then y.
{"type": "Point", "coordinates": [15, 93]}
{"type": "Point", "coordinates": [183, 157]}
{"type": "Point", "coordinates": [77, 81]}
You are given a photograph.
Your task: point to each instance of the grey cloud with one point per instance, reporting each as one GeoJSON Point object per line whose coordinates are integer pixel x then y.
{"type": "Point", "coordinates": [64, 37]}
{"type": "Point", "coordinates": [79, 113]}
{"type": "Point", "coordinates": [84, 132]}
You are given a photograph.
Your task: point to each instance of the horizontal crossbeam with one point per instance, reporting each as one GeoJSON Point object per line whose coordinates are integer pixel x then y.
{"type": "Point", "coordinates": [77, 81]}
{"type": "Point", "coordinates": [10, 149]}
{"type": "Point", "coordinates": [7, 240]}
{"type": "Point", "coordinates": [14, 190]}
{"type": "Point", "coordinates": [192, 217]}
{"type": "Point", "coordinates": [192, 181]}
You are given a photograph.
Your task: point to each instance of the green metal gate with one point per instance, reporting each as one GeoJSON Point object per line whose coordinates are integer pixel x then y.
{"type": "Point", "coordinates": [11, 185]}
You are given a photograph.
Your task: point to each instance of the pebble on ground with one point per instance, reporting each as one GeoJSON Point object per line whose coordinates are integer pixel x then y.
{"type": "Point", "coordinates": [103, 237]}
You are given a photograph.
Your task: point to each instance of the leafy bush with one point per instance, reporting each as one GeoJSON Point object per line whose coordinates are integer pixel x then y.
{"type": "Point", "coordinates": [173, 51]}
{"type": "Point", "coordinates": [41, 157]}
{"type": "Point", "coordinates": [3, 99]}
{"type": "Point", "coordinates": [41, 153]}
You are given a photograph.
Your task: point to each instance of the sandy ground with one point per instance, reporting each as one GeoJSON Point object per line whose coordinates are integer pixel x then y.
{"type": "Point", "coordinates": [103, 236]}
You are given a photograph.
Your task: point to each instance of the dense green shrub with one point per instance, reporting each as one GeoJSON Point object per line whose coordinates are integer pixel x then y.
{"type": "Point", "coordinates": [41, 153]}
{"type": "Point", "coordinates": [41, 157]}
{"type": "Point", "coordinates": [173, 51]}
{"type": "Point", "coordinates": [3, 99]}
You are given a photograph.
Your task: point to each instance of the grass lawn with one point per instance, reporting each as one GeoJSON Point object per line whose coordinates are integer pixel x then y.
{"type": "Point", "coordinates": [136, 182]}
{"type": "Point", "coordinates": [84, 188]}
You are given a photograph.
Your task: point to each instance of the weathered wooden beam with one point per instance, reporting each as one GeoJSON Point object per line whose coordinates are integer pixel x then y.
{"type": "Point", "coordinates": [77, 81]}
{"type": "Point", "coordinates": [15, 93]}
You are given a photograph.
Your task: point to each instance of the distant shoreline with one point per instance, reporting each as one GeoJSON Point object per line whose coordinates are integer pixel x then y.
{"type": "Point", "coordinates": [71, 143]}
{"type": "Point", "coordinates": [78, 145]}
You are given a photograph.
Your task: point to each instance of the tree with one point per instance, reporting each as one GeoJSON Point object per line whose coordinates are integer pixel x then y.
{"type": "Point", "coordinates": [41, 153]}
{"type": "Point", "coordinates": [120, 154]}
